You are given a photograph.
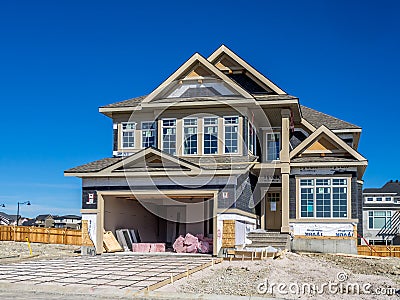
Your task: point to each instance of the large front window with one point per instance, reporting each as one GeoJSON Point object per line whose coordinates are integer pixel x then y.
{"type": "Point", "coordinates": [169, 136]}
{"type": "Point", "coordinates": [128, 134]}
{"type": "Point", "coordinates": [190, 136]}
{"type": "Point", "coordinates": [231, 126]}
{"type": "Point", "coordinates": [378, 218]}
{"type": "Point", "coordinates": [210, 135]}
{"type": "Point", "coordinates": [148, 134]}
{"type": "Point", "coordinates": [323, 198]}
{"type": "Point", "coordinates": [273, 146]}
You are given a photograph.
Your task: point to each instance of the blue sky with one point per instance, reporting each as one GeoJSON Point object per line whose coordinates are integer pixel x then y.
{"type": "Point", "coordinates": [61, 60]}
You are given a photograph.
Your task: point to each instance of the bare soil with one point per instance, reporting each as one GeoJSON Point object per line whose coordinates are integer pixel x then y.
{"type": "Point", "coordinates": [241, 278]}
{"type": "Point", "coordinates": [16, 251]}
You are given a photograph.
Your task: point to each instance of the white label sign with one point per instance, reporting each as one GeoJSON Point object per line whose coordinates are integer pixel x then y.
{"type": "Point", "coordinates": [339, 230]}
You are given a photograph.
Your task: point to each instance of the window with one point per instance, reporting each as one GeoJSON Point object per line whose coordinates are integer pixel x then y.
{"type": "Point", "coordinates": [210, 135]}
{"type": "Point", "coordinates": [388, 198]}
{"type": "Point", "coordinates": [323, 198]}
{"type": "Point", "coordinates": [370, 199]}
{"type": "Point", "coordinates": [148, 134]}
{"type": "Point", "coordinates": [378, 218]}
{"type": "Point", "coordinates": [128, 135]}
{"type": "Point", "coordinates": [378, 198]}
{"type": "Point", "coordinates": [231, 125]}
{"type": "Point", "coordinates": [169, 136]}
{"type": "Point", "coordinates": [190, 136]}
{"type": "Point", "coordinates": [252, 138]}
{"type": "Point", "coordinates": [273, 146]}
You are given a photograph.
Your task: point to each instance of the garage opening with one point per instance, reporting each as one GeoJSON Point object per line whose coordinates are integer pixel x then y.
{"type": "Point", "coordinates": [157, 219]}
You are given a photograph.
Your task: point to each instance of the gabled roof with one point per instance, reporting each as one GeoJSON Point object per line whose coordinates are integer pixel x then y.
{"type": "Point", "coordinates": [189, 65]}
{"type": "Point", "coordinates": [95, 166]}
{"type": "Point", "coordinates": [224, 52]}
{"type": "Point", "coordinates": [325, 133]}
{"type": "Point", "coordinates": [8, 217]}
{"type": "Point", "coordinates": [317, 119]}
{"type": "Point", "coordinates": [389, 187]}
{"type": "Point", "coordinates": [43, 217]}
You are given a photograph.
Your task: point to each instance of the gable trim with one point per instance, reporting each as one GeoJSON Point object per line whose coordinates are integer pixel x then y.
{"type": "Point", "coordinates": [325, 130]}
{"type": "Point", "coordinates": [225, 50]}
{"type": "Point", "coordinates": [191, 61]}
{"type": "Point", "coordinates": [154, 151]}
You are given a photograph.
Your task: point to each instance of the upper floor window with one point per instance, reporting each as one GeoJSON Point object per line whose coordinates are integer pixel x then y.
{"type": "Point", "coordinates": [128, 134]}
{"type": "Point", "coordinates": [273, 146]}
{"type": "Point", "coordinates": [388, 198]}
{"type": "Point", "coordinates": [169, 136]}
{"type": "Point", "coordinates": [252, 138]}
{"type": "Point", "coordinates": [378, 198]}
{"type": "Point", "coordinates": [148, 134]}
{"type": "Point", "coordinates": [190, 136]}
{"type": "Point", "coordinates": [323, 198]}
{"type": "Point", "coordinates": [379, 218]}
{"type": "Point", "coordinates": [231, 128]}
{"type": "Point", "coordinates": [210, 135]}
{"type": "Point", "coordinates": [370, 199]}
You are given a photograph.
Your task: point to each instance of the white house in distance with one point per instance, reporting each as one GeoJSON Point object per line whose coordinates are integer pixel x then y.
{"type": "Point", "coordinates": [381, 214]}
{"type": "Point", "coordinates": [218, 140]}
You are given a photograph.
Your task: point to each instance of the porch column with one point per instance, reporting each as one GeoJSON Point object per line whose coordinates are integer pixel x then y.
{"type": "Point", "coordinates": [285, 169]}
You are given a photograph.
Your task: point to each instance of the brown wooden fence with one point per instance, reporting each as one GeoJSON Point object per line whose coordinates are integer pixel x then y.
{"type": "Point", "coordinates": [384, 251]}
{"type": "Point", "coordinates": [41, 235]}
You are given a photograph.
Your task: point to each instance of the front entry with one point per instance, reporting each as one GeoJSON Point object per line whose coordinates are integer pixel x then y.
{"type": "Point", "coordinates": [273, 213]}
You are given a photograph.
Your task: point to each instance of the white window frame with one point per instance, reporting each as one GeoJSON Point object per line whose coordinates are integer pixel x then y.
{"type": "Point", "coordinates": [388, 216]}
{"type": "Point", "coordinates": [331, 186]}
{"type": "Point", "coordinates": [183, 135]}
{"type": "Point", "coordinates": [154, 130]}
{"type": "Point", "coordinates": [162, 134]}
{"type": "Point", "coordinates": [128, 130]}
{"type": "Point", "coordinates": [238, 135]}
{"type": "Point", "coordinates": [251, 128]}
{"type": "Point", "coordinates": [266, 145]}
{"type": "Point", "coordinates": [204, 133]}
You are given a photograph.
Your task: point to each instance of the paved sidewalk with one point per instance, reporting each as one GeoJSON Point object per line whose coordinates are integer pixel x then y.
{"type": "Point", "coordinates": [127, 274]}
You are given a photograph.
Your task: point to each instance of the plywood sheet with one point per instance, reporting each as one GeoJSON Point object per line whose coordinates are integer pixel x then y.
{"type": "Point", "coordinates": [110, 242]}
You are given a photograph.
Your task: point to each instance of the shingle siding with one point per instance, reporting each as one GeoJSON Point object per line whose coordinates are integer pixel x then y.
{"type": "Point", "coordinates": [292, 197]}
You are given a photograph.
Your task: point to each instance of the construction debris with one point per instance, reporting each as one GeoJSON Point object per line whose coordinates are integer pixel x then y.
{"type": "Point", "coordinates": [110, 243]}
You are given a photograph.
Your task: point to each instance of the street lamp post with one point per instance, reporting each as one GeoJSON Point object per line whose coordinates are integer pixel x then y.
{"type": "Point", "coordinates": [22, 203]}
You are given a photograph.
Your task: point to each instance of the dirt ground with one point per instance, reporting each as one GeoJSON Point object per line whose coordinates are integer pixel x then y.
{"type": "Point", "coordinates": [372, 275]}
{"type": "Point", "coordinates": [16, 251]}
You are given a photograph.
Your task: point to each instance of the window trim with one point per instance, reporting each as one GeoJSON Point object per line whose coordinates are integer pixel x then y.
{"type": "Point", "coordinates": [183, 136]}
{"type": "Point", "coordinates": [141, 133]}
{"type": "Point", "coordinates": [266, 145]}
{"type": "Point", "coordinates": [204, 131]}
{"type": "Point", "coordinates": [131, 130]}
{"type": "Point", "coordinates": [176, 134]}
{"type": "Point", "coordinates": [348, 197]}
{"type": "Point", "coordinates": [238, 135]}
{"type": "Point", "coordinates": [373, 218]}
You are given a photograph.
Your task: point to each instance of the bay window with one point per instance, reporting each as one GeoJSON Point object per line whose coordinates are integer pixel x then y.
{"type": "Point", "coordinates": [169, 136]}
{"type": "Point", "coordinates": [148, 134]}
{"type": "Point", "coordinates": [190, 136]}
{"type": "Point", "coordinates": [231, 128]}
{"type": "Point", "coordinates": [210, 137]}
{"type": "Point", "coordinates": [128, 134]}
{"type": "Point", "coordinates": [273, 146]}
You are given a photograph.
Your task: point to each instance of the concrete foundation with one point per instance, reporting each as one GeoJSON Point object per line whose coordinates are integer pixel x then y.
{"type": "Point", "coordinates": [348, 246]}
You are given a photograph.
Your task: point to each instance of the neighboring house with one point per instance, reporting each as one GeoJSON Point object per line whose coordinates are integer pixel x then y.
{"type": "Point", "coordinates": [6, 219]}
{"type": "Point", "coordinates": [44, 221]}
{"type": "Point", "coordinates": [218, 140]}
{"type": "Point", "coordinates": [381, 214]}
{"type": "Point", "coordinates": [68, 221]}
{"type": "Point", "coordinates": [29, 222]}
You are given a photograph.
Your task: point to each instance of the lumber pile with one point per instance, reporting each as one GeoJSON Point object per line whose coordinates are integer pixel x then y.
{"type": "Point", "coordinates": [193, 244]}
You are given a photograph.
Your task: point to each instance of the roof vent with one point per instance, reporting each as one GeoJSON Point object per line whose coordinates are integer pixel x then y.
{"type": "Point", "coordinates": [391, 181]}
{"type": "Point", "coordinates": [397, 181]}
